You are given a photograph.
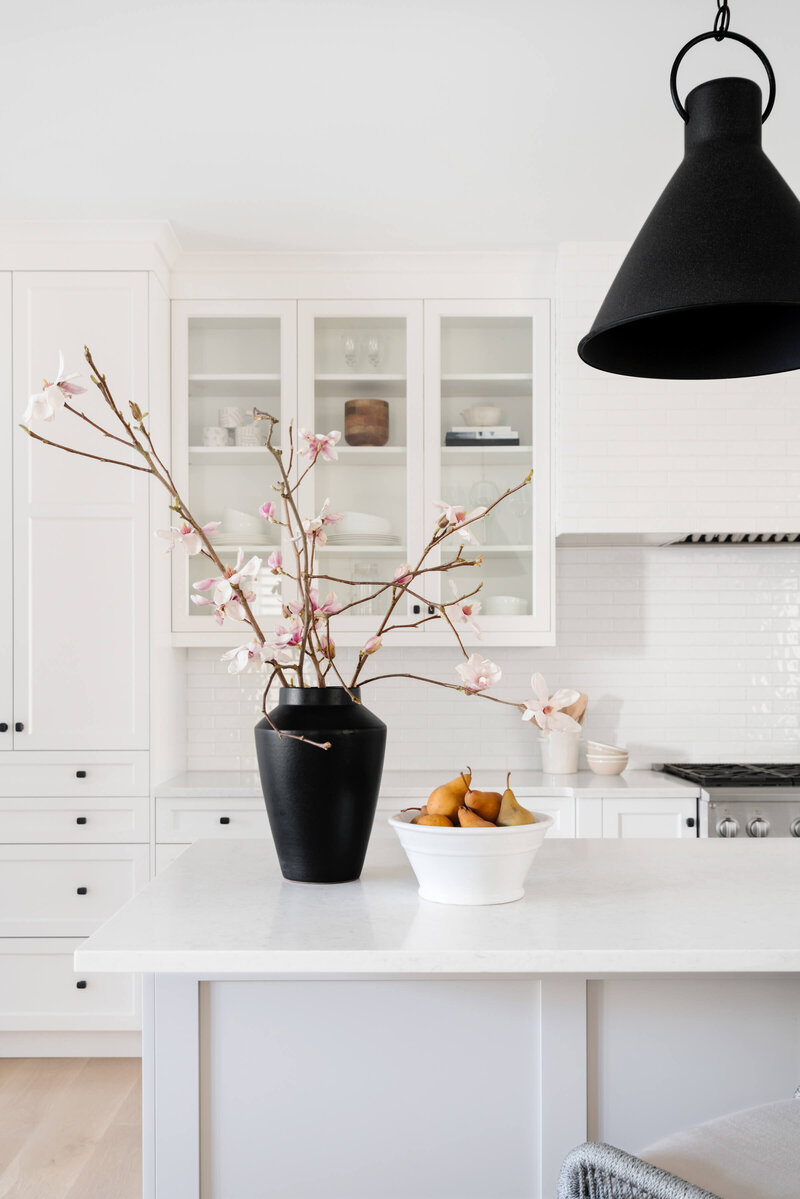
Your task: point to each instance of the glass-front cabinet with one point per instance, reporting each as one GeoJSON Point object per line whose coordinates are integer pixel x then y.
{"type": "Point", "coordinates": [229, 358]}
{"type": "Point", "coordinates": [436, 401]}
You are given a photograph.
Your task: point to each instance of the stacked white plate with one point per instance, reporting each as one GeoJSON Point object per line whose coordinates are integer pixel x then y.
{"type": "Point", "coordinates": [606, 759]}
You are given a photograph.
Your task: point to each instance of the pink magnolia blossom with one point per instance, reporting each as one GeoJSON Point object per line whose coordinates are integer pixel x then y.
{"type": "Point", "coordinates": [267, 510]}
{"type": "Point", "coordinates": [288, 635]}
{"type": "Point", "coordinates": [403, 574]}
{"type": "Point", "coordinates": [225, 600]}
{"type": "Point", "coordinates": [546, 711]}
{"type": "Point", "coordinates": [45, 404]}
{"type": "Point", "coordinates": [245, 657]}
{"type": "Point", "coordinates": [464, 611]}
{"type": "Point", "coordinates": [315, 527]}
{"type": "Point", "coordinates": [456, 519]}
{"type": "Point", "coordinates": [187, 537]}
{"type": "Point", "coordinates": [320, 443]}
{"type": "Point", "coordinates": [329, 606]}
{"type": "Point", "coordinates": [372, 645]}
{"type": "Point", "coordinates": [478, 673]}
{"type": "Point", "coordinates": [275, 561]}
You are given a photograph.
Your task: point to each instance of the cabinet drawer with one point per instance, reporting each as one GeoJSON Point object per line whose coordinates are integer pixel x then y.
{"type": "Point", "coordinates": [72, 774]}
{"type": "Point", "coordinates": [38, 990]}
{"type": "Point", "coordinates": [560, 807]}
{"type": "Point", "coordinates": [187, 820]}
{"type": "Point", "coordinates": [109, 820]}
{"type": "Point", "coordinates": [66, 890]}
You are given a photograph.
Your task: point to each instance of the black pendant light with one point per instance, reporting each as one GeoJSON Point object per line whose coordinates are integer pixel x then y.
{"type": "Point", "coordinates": [710, 289]}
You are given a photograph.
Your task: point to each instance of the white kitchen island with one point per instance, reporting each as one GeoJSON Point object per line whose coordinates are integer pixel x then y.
{"type": "Point", "coordinates": [355, 1041]}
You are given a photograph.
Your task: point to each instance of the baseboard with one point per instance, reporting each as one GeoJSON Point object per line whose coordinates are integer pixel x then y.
{"type": "Point", "coordinates": [70, 1044]}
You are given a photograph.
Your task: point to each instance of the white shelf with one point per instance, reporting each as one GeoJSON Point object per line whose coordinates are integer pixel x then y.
{"type": "Point", "coordinates": [357, 378]}
{"type": "Point", "coordinates": [372, 455]}
{"type": "Point", "coordinates": [503, 377]}
{"type": "Point", "coordinates": [470, 455]}
{"type": "Point", "coordinates": [235, 378]}
{"type": "Point", "coordinates": [452, 550]}
{"type": "Point", "coordinates": [495, 387]}
{"type": "Point", "coordinates": [366, 551]}
{"type": "Point", "coordinates": [229, 455]}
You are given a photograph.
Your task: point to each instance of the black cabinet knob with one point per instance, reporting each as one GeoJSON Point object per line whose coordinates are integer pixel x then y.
{"type": "Point", "coordinates": [19, 727]}
{"type": "Point", "coordinates": [80, 774]}
{"type": "Point", "coordinates": [3, 727]}
{"type": "Point", "coordinates": [81, 984]}
{"type": "Point", "coordinates": [415, 608]}
{"type": "Point", "coordinates": [82, 890]}
{"type": "Point", "coordinates": [81, 820]}
{"type": "Point", "coordinates": [431, 609]}
{"type": "Point", "coordinates": [224, 819]}
{"type": "Point", "coordinates": [690, 821]}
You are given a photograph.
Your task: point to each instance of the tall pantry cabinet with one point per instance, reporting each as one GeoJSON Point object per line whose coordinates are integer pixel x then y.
{"type": "Point", "coordinates": [74, 652]}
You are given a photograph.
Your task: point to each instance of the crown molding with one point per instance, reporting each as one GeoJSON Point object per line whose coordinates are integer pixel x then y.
{"type": "Point", "coordinates": [89, 245]}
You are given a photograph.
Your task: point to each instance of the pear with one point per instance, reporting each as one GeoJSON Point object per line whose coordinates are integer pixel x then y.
{"type": "Point", "coordinates": [468, 819]}
{"type": "Point", "coordinates": [447, 799]}
{"type": "Point", "coordinates": [484, 803]}
{"type": "Point", "coordinates": [511, 810]}
{"type": "Point", "coordinates": [437, 821]}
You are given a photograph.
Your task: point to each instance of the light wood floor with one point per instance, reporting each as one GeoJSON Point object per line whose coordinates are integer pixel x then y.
{"type": "Point", "coordinates": [70, 1128]}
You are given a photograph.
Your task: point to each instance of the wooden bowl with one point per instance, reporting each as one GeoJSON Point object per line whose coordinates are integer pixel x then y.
{"type": "Point", "coordinates": [366, 422]}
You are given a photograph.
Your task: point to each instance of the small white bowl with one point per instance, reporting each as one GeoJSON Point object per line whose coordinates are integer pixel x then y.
{"type": "Point", "coordinates": [601, 750]}
{"type": "Point", "coordinates": [360, 523]}
{"type": "Point", "coordinates": [482, 414]}
{"type": "Point", "coordinates": [606, 765]}
{"type": "Point", "coordinates": [470, 865]}
{"type": "Point", "coordinates": [505, 605]}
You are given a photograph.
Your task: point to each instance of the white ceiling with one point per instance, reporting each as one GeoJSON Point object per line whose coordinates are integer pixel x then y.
{"type": "Point", "coordinates": [365, 124]}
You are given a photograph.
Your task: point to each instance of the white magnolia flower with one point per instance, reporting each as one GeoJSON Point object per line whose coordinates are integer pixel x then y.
{"type": "Point", "coordinates": [184, 535]}
{"type": "Point", "coordinates": [456, 519]}
{"type": "Point", "coordinates": [478, 673]}
{"type": "Point", "coordinates": [546, 710]}
{"type": "Point", "coordinates": [45, 404]}
{"type": "Point", "coordinates": [463, 611]}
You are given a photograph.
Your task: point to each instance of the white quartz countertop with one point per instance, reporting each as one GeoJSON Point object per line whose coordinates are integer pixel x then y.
{"type": "Point", "coordinates": [591, 907]}
{"type": "Point", "coordinates": [230, 784]}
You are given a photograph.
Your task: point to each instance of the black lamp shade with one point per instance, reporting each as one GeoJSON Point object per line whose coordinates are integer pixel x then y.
{"type": "Point", "coordinates": [710, 289]}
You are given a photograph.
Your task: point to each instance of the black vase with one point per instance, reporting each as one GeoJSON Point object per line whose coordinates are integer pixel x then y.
{"type": "Point", "coordinates": [321, 802]}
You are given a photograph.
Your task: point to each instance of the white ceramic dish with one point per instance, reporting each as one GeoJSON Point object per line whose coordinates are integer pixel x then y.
{"type": "Point", "coordinates": [505, 605]}
{"type": "Point", "coordinates": [606, 765]}
{"type": "Point", "coordinates": [482, 414]}
{"type": "Point", "coordinates": [470, 865]}
{"type": "Point", "coordinates": [599, 749]}
{"type": "Point", "coordinates": [361, 522]}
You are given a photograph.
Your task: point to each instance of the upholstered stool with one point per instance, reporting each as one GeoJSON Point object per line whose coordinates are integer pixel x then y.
{"type": "Point", "coordinates": [752, 1154]}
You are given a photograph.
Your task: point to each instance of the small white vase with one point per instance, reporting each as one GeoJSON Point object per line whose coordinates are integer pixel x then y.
{"type": "Point", "coordinates": [560, 751]}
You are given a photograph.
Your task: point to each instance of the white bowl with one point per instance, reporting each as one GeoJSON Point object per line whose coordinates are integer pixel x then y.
{"type": "Point", "coordinates": [361, 522]}
{"type": "Point", "coordinates": [470, 865]}
{"type": "Point", "coordinates": [599, 749]}
{"type": "Point", "coordinates": [505, 605]}
{"type": "Point", "coordinates": [606, 765]}
{"type": "Point", "coordinates": [482, 414]}
{"type": "Point", "coordinates": [236, 522]}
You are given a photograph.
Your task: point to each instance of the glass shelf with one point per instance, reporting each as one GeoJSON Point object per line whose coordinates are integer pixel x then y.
{"type": "Point", "coordinates": [476, 455]}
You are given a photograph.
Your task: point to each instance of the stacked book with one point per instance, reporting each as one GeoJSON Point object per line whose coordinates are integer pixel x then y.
{"type": "Point", "coordinates": [482, 435]}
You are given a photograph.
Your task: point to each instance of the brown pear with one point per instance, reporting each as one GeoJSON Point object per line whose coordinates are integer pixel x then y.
{"type": "Point", "coordinates": [447, 799]}
{"type": "Point", "coordinates": [437, 821]}
{"type": "Point", "coordinates": [485, 803]}
{"type": "Point", "coordinates": [468, 819]}
{"type": "Point", "coordinates": [511, 810]}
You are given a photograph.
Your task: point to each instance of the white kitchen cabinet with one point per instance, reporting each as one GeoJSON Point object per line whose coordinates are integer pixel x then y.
{"type": "Point", "coordinates": [40, 991]}
{"type": "Point", "coordinates": [429, 361]}
{"type": "Point", "coordinates": [6, 526]}
{"type": "Point", "coordinates": [180, 820]}
{"type": "Point", "coordinates": [644, 816]}
{"type": "Point", "coordinates": [81, 537]}
{"type": "Point", "coordinates": [60, 820]}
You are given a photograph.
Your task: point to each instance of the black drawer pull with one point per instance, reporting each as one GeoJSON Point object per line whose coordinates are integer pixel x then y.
{"type": "Point", "coordinates": [415, 608]}
{"type": "Point", "coordinates": [81, 984]}
{"type": "Point", "coordinates": [431, 609]}
{"type": "Point", "coordinates": [83, 891]}
{"type": "Point", "coordinates": [224, 819]}
{"type": "Point", "coordinates": [3, 727]}
{"type": "Point", "coordinates": [19, 727]}
{"type": "Point", "coordinates": [81, 820]}
{"type": "Point", "coordinates": [690, 821]}
{"type": "Point", "coordinates": [80, 774]}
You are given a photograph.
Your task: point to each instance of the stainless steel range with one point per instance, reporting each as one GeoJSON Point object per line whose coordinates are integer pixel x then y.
{"type": "Point", "coordinates": [747, 801]}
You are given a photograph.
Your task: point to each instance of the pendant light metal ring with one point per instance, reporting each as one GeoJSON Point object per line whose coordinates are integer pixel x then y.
{"type": "Point", "coordinates": [737, 37]}
{"type": "Point", "coordinates": [722, 20]}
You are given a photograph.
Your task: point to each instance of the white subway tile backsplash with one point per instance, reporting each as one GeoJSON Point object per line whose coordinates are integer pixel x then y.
{"type": "Point", "coordinates": [685, 652]}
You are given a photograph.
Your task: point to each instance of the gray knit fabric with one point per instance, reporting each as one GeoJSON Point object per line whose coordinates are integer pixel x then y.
{"type": "Point", "coordinates": [597, 1171]}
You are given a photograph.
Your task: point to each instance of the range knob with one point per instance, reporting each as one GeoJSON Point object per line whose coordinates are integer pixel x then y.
{"type": "Point", "coordinates": [758, 827]}
{"type": "Point", "coordinates": [794, 827]}
{"type": "Point", "coordinates": [728, 827]}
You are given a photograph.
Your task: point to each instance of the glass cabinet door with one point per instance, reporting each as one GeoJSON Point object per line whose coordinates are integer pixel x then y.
{"type": "Point", "coordinates": [488, 403]}
{"type": "Point", "coordinates": [229, 358]}
{"type": "Point", "coordinates": [361, 375]}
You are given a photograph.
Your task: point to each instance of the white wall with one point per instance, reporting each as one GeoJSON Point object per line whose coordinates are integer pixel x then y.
{"type": "Point", "coordinates": [684, 653]}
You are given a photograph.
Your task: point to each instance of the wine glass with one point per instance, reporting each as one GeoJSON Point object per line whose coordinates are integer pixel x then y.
{"type": "Point", "coordinates": [373, 351]}
{"type": "Point", "coordinates": [350, 350]}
